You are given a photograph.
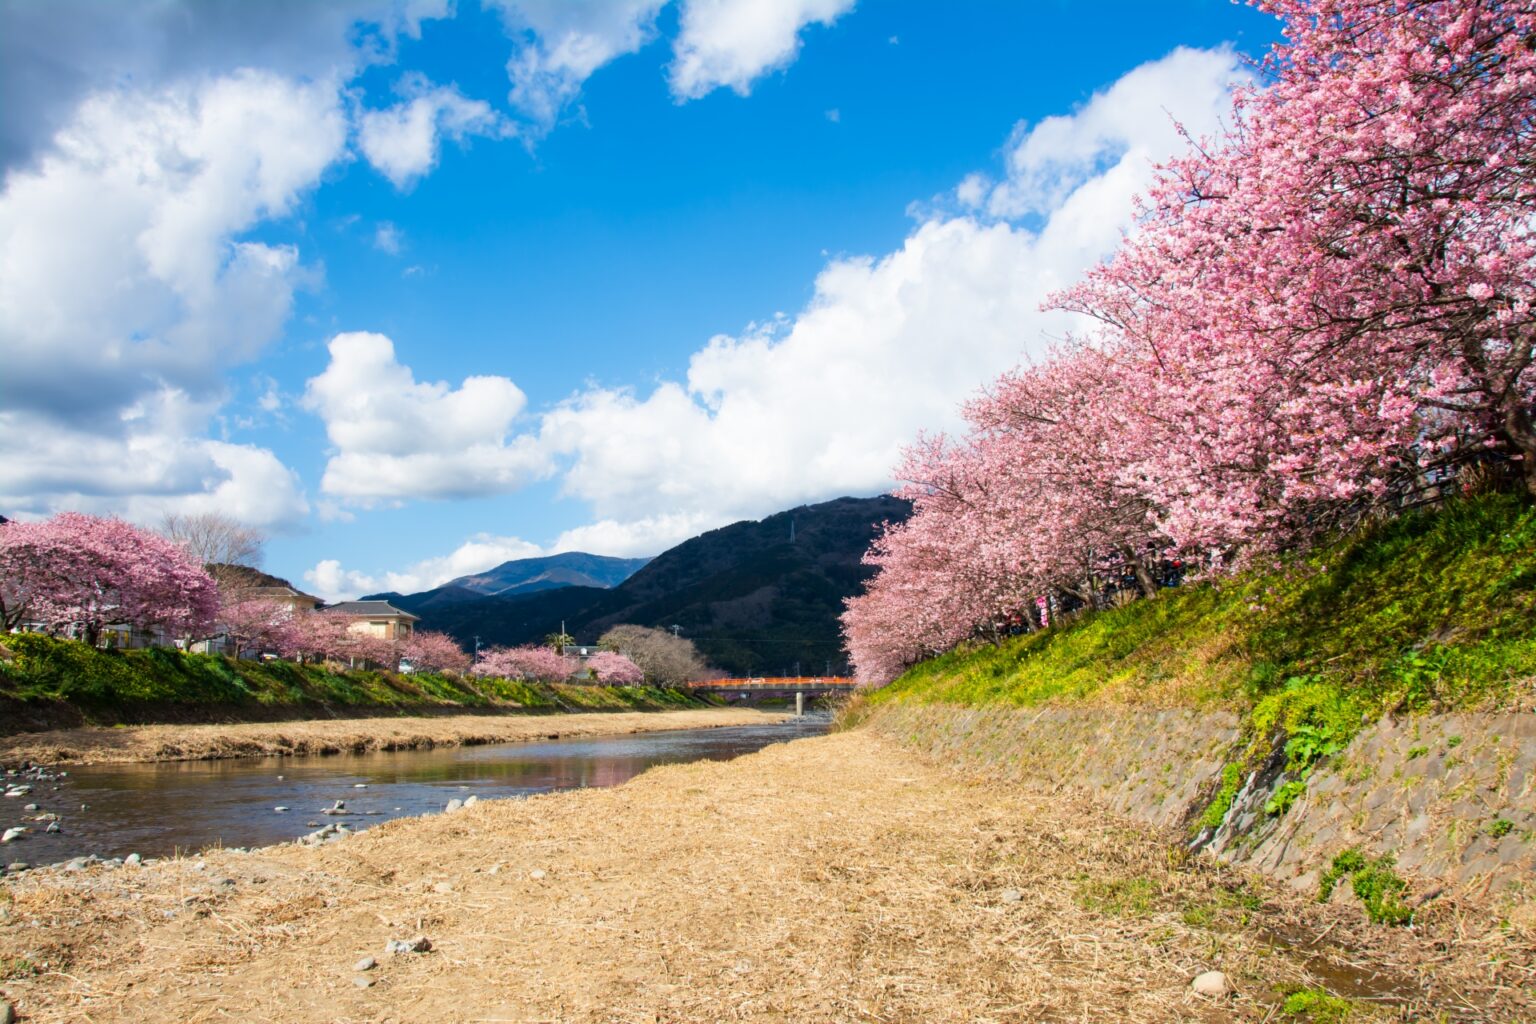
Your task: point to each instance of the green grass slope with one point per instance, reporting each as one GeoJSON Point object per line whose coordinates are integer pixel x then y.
{"type": "Point", "coordinates": [96, 686]}
{"type": "Point", "coordinates": [1430, 611]}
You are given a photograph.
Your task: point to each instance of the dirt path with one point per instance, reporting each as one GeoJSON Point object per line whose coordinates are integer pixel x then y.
{"type": "Point", "coordinates": [345, 735]}
{"type": "Point", "coordinates": [830, 879]}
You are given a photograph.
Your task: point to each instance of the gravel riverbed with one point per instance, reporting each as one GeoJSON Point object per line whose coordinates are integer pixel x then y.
{"type": "Point", "coordinates": [827, 879]}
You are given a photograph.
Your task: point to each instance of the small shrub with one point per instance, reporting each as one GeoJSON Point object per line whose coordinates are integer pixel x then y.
{"type": "Point", "coordinates": [1374, 883]}
{"type": "Point", "coordinates": [1221, 803]}
{"type": "Point", "coordinates": [851, 712]}
{"type": "Point", "coordinates": [1317, 1006]}
{"type": "Point", "coordinates": [1284, 797]}
{"type": "Point", "coordinates": [1498, 828]}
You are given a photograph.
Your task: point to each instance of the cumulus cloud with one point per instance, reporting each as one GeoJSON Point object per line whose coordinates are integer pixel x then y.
{"type": "Point", "coordinates": [125, 291]}
{"type": "Point", "coordinates": [156, 464]}
{"type": "Point", "coordinates": [403, 141]}
{"type": "Point", "coordinates": [330, 580]}
{"type": "Point", "coordinates": [636, 538]}
{"type": "Point", "coordinates": [563, 43]}
{"type": "Point", "coordinates": [805, 408]}
{"type": "Point", "coordinates": [809, 407]}
{"type": "Point", "coordinates": [53, 55]}
{"type": "Point", "coordinates": [732, 43]}
{"type": "Point", "coordinates": [395, 437]}
{"type": "Point", "coordinates": [1133, 121]}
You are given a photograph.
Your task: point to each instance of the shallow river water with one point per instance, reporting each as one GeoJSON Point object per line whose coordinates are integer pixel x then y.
{"type": "Point", "coordinates": [159, 809]}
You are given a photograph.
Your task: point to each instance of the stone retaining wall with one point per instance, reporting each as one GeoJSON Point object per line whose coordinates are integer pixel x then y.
{"type": "Point", "coordinates": [1451, 797]}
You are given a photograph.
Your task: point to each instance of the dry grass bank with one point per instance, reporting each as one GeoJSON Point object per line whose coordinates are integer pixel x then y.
{"type": "Point", "coordinates": [832, 879]}
{"type": "Point", "coordinates": [345, 735]}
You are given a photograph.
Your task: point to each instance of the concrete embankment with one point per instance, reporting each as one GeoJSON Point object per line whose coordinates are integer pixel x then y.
{"type": "Point", "coordinates": [143, 743]}
{"type": "Point", "coordinates": [832, 879]}
{"type": "Point", "coordinates": [1451, 798]}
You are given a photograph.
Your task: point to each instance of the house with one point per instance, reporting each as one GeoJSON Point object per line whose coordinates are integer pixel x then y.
{"type": "Point", "coordinates": [376, 618]}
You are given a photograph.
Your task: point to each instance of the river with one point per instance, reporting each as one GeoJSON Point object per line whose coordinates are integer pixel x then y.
{"type": "Point", "coordinates": [160, 809]}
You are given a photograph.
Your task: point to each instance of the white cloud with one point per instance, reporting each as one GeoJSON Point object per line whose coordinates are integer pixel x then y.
{"type": "Point", "coordinates": [403, 141]}
{"type": "Point", "coordinates": [565, 42]}
{"type": "Point", "coordinates": [125, 294]}
{"type": "Point", "coordinates": [733, 42]}
{"type": "Point", "coordinates": [53, 55]}
{"type": "Point", "coordinates": [808, 408]}
{"type": "Point", "coordinates": [638, 538]}
{"type": "Point", "coordinates": [395, 438]}
{"type": "Point", "coordinates": [156, 464]}
{"type": "Point", "coordinates": [328, 579]}
{"type": "Point", "coordinates": [388, 238]}
{"type": "Point", "coordinates": [271, 400]}
{"type": "Point", "coordinates": [1132, 121]}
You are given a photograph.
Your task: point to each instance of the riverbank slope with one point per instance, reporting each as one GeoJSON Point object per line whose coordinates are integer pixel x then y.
{"type": "Point", "coordinates": [832, 879]}
{"type": "Point", "coordinates": [51, 683]}
{"type": "Point", "coordinates": [144, 743]}
{"type": "Point", "coordinates": [1371, 699]}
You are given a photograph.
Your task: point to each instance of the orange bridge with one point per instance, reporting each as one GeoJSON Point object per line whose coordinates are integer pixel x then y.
{"type": "Point", "coordinates": [764, 686]}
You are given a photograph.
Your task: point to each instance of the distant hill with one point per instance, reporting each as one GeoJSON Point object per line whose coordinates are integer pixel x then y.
{"type": "Point", "coordinates": [757, 597]}
{"type": "Point", "coordinates": [520, 576]}
{"type": "Point", "coordinates": [568, 569]}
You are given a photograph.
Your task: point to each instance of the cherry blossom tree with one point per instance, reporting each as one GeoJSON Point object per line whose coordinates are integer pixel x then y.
{"type": "Point", "coordinates": [255, 624]}
{"type": "Point", "coordinates": [664, 658]}
{"type": "Point", "coordinates": [1031, 502]}
{"type": "Point", "coordinates": [81, 573]}
{"type": "Point", "coordinates": [615, 669]}
{"type": "Point", "coordinates": [528, 662]}
{"type": "Point", "coordinates": [328, 636]}
{"type": "Point", "coordinates": [1317, 308]}
{"type": "Point", "coordinates": [1340, 289]}
{"type": "Point", "coordinates": [434, 652]}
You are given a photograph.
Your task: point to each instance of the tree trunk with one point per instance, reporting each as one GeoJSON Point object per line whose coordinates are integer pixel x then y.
{"type": "Point", "coordinates": [1521, 430]}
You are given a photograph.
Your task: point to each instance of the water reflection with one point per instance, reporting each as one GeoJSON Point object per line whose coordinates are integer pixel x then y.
{"type": "Point", "coordinates": [158, 809]}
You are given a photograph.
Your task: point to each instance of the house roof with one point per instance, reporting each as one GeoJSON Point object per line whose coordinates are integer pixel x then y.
{"type": "Point", "coordinates": [371, 609]}
{"type": "Point", "coordinates": [277, 593]}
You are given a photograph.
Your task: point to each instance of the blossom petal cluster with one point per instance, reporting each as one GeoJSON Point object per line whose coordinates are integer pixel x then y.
{"type": "Point", "coordinates": [528, 662]}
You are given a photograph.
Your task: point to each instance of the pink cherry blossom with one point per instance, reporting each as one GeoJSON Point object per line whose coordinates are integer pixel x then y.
{"type": "Point", "coordinates": [429, 651]}
{"type": "Point", "coordinates": [529, 662]}
{"type": "Point", "coordinates": [78, 573]}
{"type": "Point", "coordinates": [615, 669]}
{"type": "Point", "coordinates": [1318, 311]}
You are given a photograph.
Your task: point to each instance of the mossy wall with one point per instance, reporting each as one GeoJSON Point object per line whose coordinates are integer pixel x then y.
{"type": "Point", "coordinates": [1451, 797]}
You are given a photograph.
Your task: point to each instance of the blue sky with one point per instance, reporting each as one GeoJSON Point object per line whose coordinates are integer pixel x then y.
{"type": "Point", "coordinates": [700, 260]}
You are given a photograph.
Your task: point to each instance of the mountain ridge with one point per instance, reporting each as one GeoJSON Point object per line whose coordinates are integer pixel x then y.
{"type": "Point", "coordinates": [757, 596]}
